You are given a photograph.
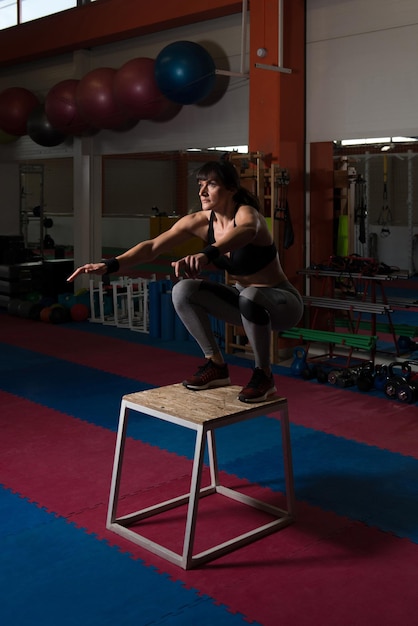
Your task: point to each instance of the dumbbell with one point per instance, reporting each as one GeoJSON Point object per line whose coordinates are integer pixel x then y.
{"type": "Point", "coordinates": [348, 377]}
{"type": "Point", "coordinates": [408, 391]}
{"type": "Point", "coordinates": [322, 372]}
{"type": "Point", "coordinates": [398, 374]}
{"type": "Point", "coordinates": [345, 377]}
{"type": "Point", "coordinates": [333, 376]}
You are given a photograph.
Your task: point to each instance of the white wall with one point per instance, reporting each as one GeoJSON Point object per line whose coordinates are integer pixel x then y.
{"type": "Point", "coordinates": [362, 60]}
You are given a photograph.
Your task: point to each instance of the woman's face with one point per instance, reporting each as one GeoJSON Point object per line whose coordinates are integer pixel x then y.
{"type": "Point", "coordinates": [213, 195]}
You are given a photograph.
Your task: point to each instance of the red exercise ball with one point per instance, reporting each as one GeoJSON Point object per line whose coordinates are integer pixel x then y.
{"type": "Point", "coordinates": [62, 111]}
{"type": "Point", "coordinates": [79, 312]}
{"type": "Point", "coordinates": [96, 101]}
{"type": "Point", "coordinates": [16, 103]}
{"type": "Point", "coordinates": [40, 129]}
{"type": "Point", "coordinates": [44, 315]}
{"type": "Point", "coordinates": [136, 90]}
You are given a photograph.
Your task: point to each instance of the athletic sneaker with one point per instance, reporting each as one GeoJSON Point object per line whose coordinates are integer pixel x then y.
{"type": "Point", "coordinates": [209, 375]}
{"type": "Point", "coordinates": [259, 388]}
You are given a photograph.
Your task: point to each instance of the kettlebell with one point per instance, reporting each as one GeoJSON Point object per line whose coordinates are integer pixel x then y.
{"type": "Point", "coordinates": [299, 361]}
{"type": "Point", "coordinates": [365, 379]}
{"type": "Point", "coordinates": [398, 374]}
{"type": "Point", "coordinates": [405, 344]}
{"type": "Point", "coordinates": [380, 376]}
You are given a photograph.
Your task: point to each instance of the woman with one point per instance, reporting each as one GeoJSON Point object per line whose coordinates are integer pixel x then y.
{"type": "Point", "coordinates": [238, 241]}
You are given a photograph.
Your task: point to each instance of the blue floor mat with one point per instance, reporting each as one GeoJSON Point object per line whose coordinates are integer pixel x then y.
{"type": "Point", "coordinates": [80, 580]}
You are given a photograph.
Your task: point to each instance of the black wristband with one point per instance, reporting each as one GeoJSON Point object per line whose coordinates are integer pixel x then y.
{"type": "Point", "coordinates": [112, 265]}
{"type": "Point", "coordinates": [211, 252]}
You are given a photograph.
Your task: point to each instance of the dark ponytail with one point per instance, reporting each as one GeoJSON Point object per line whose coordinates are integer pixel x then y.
{"type": "Point", "coordinates": [225, 173]}
{"type": "Point", "coordinates": [243, 196]}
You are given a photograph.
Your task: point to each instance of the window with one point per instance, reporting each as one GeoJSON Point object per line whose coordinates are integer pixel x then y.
{"type": "Point", "coordinates": [32, 10]}
{"type": "Point", "coordinates": [8, 13]}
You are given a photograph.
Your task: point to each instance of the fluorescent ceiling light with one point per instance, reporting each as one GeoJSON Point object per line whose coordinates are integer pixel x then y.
{"type": "Point", "coordinates": [376, 140]}
{"type": "Point", "coordinates": [241, 149]}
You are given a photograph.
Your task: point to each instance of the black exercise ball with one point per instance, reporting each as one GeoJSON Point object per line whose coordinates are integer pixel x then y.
{"type": "Point", "coordinates": [40, 129]}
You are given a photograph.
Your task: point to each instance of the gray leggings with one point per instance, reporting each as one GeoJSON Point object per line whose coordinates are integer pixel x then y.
{"type": "Point", "coordinates": [258, 309]}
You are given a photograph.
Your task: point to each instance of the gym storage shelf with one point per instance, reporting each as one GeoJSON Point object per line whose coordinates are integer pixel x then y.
{"type": "Point", "coordinates": [350, 295]}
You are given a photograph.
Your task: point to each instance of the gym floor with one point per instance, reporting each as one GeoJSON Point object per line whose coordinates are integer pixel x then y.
{"type": "Point", "coordinates": [350, 558]}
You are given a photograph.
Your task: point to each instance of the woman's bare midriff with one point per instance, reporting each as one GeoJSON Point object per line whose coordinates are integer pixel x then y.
{"type": "Point", "coordinates": [270, 276]}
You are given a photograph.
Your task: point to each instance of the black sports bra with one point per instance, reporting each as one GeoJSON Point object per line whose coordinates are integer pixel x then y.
{"type": "Point", "coordinates": [244, 261]}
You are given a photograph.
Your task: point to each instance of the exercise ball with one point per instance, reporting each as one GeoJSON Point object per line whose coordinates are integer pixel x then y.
{"type": "Point", "coordinates": [136, 90]}
{"type": "Point", "coordinates": [79, 312]}
{"type": "Point", "coordinates": [62, 111]}
{"type": "Point", "coordinates": [40, 129]}
{"type": "Point", "coordinates": [185, 72]}
{"type": "Point", "coordinates": [16, 103]}
{"type": "Point", "coordinates": [32, 311]}
{"type": "Point", "coordinates": [222, 81]}
{"type": "Point", "coordinates": [169, 113]}
{"type": "Point", "coordinates": [34, 296]}
{"type": "Point", "coordinates": [96, 101]}
{"type": "Point", "coordinates": [29, 310]}
{"type": "Point", "coordinates": [59, 314]}
{"type": "Point", "coordinates": [44, 315]}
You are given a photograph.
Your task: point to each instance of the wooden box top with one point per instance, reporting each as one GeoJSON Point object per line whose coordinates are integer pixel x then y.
{"type": "Point", "coordinates": [200, 407]}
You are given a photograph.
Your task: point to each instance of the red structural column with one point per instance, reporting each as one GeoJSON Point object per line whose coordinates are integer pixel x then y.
{"type": "Point", "coordinates": [277, 107]}
{"type": "Point", "coordinates": [321, 196]}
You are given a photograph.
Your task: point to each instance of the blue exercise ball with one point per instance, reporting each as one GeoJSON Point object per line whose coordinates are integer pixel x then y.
{"type": "Point", "coordinates": [185, 72]}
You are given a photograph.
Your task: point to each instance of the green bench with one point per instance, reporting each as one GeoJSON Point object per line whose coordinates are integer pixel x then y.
{"type": "Point", "coordinates": [349, 340]}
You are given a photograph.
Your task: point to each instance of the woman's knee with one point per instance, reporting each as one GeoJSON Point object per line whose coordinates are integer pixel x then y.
{"type": "Point", "coordinates": [183, 290]}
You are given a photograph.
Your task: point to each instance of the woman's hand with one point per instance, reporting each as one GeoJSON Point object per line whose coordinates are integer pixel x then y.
{"type": "Point", "coordinates": [190, 266]}
{"type": "Point", "coordinates": [89, 268]}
